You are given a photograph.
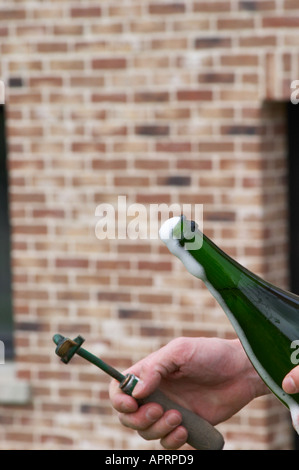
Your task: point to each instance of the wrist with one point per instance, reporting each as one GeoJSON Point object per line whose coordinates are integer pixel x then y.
{"type": "Point", "coordinates": [249, 374]}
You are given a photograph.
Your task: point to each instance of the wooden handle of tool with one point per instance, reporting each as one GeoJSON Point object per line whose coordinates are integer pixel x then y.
{"type": "Point", "coordinates": [201, 434]}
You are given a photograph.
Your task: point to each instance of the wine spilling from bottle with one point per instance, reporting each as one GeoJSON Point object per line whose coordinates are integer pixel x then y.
{"type": "Point", "coordinates": [265, 317]}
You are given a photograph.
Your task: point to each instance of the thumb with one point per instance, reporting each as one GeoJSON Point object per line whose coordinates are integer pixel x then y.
{"type": "Point", "coordinates": [290, 383]}
{"type": "Point", "coordinates": [150, 371]}
{"type": "Point", "coordinates": [148, 382]}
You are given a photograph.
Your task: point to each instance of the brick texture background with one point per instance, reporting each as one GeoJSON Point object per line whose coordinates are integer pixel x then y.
{"type": "Point", "coordinates": [161, 102]}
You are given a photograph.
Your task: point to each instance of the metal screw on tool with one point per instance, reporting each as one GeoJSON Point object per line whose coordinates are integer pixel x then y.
{"type": "Point", "coordinates": [67, 348]}
{"type": "Point", "coordinates": [201, 434]}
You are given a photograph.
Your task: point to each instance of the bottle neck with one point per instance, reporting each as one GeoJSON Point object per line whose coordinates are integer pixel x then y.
{"type": "Point", "coordinates": [218, 268]}
{"type": "Point", "coordinates": [201, 257]}
{"type": "Point", "coordinates": [206, 261]}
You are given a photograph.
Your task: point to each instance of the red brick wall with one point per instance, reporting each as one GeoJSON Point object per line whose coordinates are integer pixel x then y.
{"type": "Point", "coordinates": [160, 102]}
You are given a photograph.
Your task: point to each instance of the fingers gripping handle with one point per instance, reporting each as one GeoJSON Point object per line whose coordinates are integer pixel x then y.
{"type": "Point", "coordinates": [201, 434]}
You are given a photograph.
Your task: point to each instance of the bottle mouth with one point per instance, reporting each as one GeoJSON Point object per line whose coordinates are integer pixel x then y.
{"type": "Point", "coordinates": [188, 229]}
{"type": "Point", "coordinates": [179, 229]}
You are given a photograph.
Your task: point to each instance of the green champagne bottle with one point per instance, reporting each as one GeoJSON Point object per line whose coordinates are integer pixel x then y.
{"type": "Point", "coordinates": [265, 317]}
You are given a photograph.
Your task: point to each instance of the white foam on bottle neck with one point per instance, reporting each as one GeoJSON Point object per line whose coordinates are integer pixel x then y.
{"type": "Point", "coordinates": [166, 235]}
{"type": "Point", "coordinates": [197, 270]}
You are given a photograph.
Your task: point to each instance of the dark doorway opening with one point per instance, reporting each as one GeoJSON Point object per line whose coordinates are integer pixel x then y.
{"type": "Point", "coordinates": [293, 181]}
{"type": "Point", "coordinates": [6, 313]}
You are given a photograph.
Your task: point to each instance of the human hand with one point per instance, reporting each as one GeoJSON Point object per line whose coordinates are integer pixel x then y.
{"type": "Point", "coordinates": [212, 377]}
{"type": "Point", "coordinates": [290, 383]}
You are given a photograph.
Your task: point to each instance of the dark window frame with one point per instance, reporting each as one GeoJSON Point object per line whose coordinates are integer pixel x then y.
{"type": "Point", "coordinates": [6, 304]}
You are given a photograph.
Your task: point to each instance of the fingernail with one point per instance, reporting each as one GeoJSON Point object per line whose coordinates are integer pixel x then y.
{"type": "Point", "coordinates": [138, 388]}
{"type": "Point", "coordinates": [289, 385]}
{"type": "Point", "coordinates": [173, 420]}
{"type": "Point", "coordinates": [180, 434]}
{"type": "Point", "coordinates": [153, 413]}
